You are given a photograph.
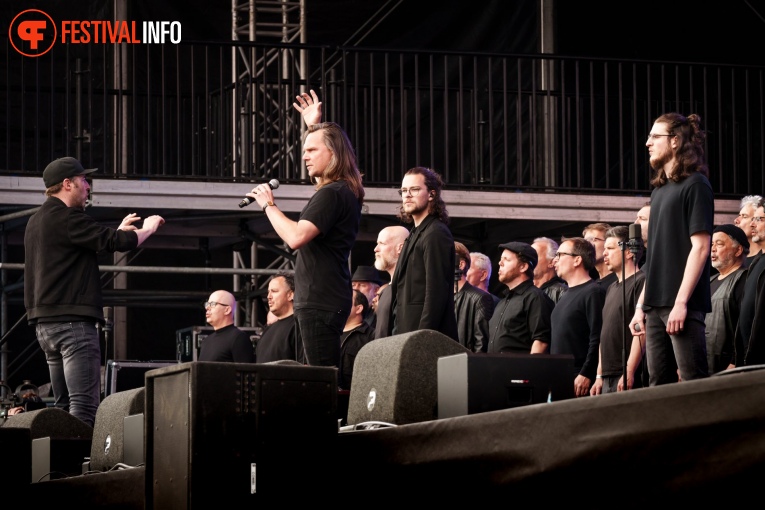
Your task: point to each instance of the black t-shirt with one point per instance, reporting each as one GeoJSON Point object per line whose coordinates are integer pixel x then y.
{"type": "Point", "coordinates": [678, 210]}
{"type": "Point", "coordinates": [576, 323]}
{"type": "Point", "coordinates": [228, 344]}
{"type": "Point", "coordinates": [322, 276]}
{"type": "Point", "coordinates": [616, 319]}
{"type": "Point", "coordinates": [278, 342]}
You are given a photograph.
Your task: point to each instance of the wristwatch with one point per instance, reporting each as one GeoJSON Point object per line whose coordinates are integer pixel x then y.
{"type": "Point", "coordinates": [267, 204]}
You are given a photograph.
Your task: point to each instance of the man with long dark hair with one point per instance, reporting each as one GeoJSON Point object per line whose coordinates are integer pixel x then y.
{"type": "Point", "coordinates": [422, 288]}
{"type": "Point", "coordinates": [671, 309]}
{"type": "Point", "coordinates": [323, 235]}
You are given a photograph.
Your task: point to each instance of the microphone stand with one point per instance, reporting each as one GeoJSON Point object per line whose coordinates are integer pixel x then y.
{"type": "Point", "coordinates": [634, 248]}
{"type": "Point", "coordinates": [622, 245]}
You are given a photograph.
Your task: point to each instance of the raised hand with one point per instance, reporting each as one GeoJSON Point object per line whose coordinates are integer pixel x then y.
{"type": "Point", "coordinates": [309, 107]}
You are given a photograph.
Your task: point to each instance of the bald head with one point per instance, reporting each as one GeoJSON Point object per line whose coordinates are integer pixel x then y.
{"type": "Point", "coordinates": [390, 242]}
{"type": "Point", "coordinates": [221, 309]}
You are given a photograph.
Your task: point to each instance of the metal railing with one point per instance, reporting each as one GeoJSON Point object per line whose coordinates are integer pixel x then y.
{"type": "Point", "coordinates": [488, 121]}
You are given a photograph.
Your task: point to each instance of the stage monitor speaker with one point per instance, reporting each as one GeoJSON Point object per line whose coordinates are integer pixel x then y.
{"type": "Point", "coordinates": [477, 383]}
{"type": "Point", "coordinates": [395, 378]}
{"type": "Point", "coordinates": [51, 422]}
{"type": "Point", "coordinates": [235, 434]}
{"type": "Point", "coordinates": [16, 443]}
{"type": "Point", "coordinates": [108, 448]}
{"type": "Point", "coordinates": [58, 442]}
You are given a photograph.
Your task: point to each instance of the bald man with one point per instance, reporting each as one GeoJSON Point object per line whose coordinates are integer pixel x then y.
{"type": "Point", "coordinates": [390, 242]}
{"type": "Point", "coordinates": [227, 342]}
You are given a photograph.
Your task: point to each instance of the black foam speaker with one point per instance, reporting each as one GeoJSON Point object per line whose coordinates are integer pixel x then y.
{"type": "Point", "coordinates": [477, 383]}
{"type": "Point", "coordinates": [395, 379]}
{"type": "Point", "coordinates": [58, 442]}
{"type": "Point", "coordinates": [236, 434]}
{"type": "Point", "coordinates": [108, 448]}
{"type": "Point", "coordinates": [51, 422]}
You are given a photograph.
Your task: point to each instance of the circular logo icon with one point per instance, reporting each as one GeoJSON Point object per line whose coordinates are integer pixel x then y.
{"type": "Point", "coordinates": [32, 33]}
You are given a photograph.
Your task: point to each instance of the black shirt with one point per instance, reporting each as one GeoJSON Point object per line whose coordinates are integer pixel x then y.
{"type": "Point", "coordinates": [746, 314]}
{"type": "Point", "coordinates": [521, 317]}
{"type": "Point", "coordinates": [227, 344]}
{"type": "Point", "coordinates": [278, 342]}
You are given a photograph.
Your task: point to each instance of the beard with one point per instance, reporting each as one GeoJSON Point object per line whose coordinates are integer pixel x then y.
{"type": "Point", "coordinates": [658, 161]}
{"type": "Point", "coordinates": [381, 264]}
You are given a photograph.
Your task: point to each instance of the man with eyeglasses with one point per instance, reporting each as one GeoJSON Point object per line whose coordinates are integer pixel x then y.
{"type": "Point", "coordinates": [62, 286]}
{"type": "Point", "coordinates": [676, 297]}
{"type": "Point", "coordinates": [226, 343]}
{"type": "Point", "coordinates": [749, 346]}
{"type": "Point", "coordinates": [747, 211]}
{"type": "Point", "coordinates": [422, 287]}
{"type": "Point", "coordinates": [577, 316]}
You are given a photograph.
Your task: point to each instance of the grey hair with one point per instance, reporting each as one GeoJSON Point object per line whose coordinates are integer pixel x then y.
{"type": "Point", "coordinates": [482, 262]}
{"type": "Point", "coordinates": [753, 200]}
{"type": "Point", "coordinates": [552, 246]}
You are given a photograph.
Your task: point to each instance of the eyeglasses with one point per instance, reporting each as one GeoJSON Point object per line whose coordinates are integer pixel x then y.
{"type": "Point", "coordinates": [653, 136]}
{"type": "Point", "coordinates": [593, 239]}
{"type": "Point", "coordinates": [558, 254]}
{"type": "Point", "coordinates": [758, 219]}
{"type": "Point", "coordinates": [210, 304]}
{"type": "Point", "coordinates": [410, 191]}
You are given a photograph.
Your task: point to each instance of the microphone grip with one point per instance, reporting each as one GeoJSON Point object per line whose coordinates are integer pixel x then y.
{"type": "Point", "coordinates": [273, 184]}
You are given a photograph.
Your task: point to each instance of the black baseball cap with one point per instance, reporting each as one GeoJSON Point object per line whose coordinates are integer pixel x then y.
{"type": "Point", "coordinates": [63, 168]}
{"type": "Point", "coordinates": [524, 249]}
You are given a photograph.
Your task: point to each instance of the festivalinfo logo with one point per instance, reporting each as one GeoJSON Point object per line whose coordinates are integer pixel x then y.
{"type": "Point", "coordinates": [33, 32]}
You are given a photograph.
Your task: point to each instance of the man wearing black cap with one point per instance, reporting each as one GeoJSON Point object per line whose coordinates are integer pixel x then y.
{"type": "Point", "coordinates": [366, 279]}
{"type": "Point", "coordinates": [521, 320]}
{"type": "Point", "coordinates": [62, 286]}
{"type": "Point", "coordinates": [729, 249]}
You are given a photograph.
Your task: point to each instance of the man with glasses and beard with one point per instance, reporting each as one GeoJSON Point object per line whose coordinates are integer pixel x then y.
{"type": "Point", "coordinates": [676, 298]}
{"type": "Point", "coordinates": [422, 287]}
{"type": "Point", "coordinates": [749, 346]}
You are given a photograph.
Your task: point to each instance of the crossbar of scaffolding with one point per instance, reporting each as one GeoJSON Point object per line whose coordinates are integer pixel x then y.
{"type": "Point", "coordinates": [173, 270]}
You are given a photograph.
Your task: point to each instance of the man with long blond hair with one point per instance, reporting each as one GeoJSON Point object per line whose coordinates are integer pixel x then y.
{"type": "Point", "coordinates": [323, 235]}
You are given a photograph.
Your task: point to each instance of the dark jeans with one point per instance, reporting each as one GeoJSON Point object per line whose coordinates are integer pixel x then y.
{"type": "Point", "coordinates": [686, 351]}
{"type": "Point", "coordinates": [73, 352]}
{"type": "Point", "coordinates": [320, 333]}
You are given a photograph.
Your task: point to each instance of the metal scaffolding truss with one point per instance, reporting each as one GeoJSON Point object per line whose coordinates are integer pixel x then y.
{"type": "Point", "coordinates": [259, 119]}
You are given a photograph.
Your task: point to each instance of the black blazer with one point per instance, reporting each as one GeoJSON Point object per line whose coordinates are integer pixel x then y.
{"type": "Point", "coordinates": [423, 283]}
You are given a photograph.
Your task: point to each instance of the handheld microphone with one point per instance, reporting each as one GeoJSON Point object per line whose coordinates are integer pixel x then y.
{"type": "Point", "coordinates": [273, 184]}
